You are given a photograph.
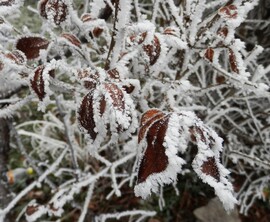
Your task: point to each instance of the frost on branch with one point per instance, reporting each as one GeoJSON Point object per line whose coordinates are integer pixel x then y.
{"type": "Point", "coordinates": [162, 136]}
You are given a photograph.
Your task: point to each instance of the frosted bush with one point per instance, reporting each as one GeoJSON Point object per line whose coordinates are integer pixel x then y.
{"type": "Point", "coordinates": [96, 69]}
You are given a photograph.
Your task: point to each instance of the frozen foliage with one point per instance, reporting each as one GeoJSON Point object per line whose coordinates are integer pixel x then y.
{"type": "Point", "coordinates": [162, 136]}
{"type": "Point", "coordinates": [78, 88]}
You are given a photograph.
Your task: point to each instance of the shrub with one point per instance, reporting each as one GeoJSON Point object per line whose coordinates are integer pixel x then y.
{"type": "Point", "coordinates": [101, 92]}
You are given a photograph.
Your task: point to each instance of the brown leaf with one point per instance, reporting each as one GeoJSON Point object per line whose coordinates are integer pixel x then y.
{"type": "Point", "coordinates": [220, 79]}
{"type": "Point", "coordinates": [31, 46]}
{"type": "Point", "coordinates": [113, 73]}
{"type": "Point", "coordinates": [86, 17]}
{"type": "Point", "coordinates": [197, 134]}
{"type": "Point", "coordinates": [138, 39]}
{"type": "Point", "coordinates": [92, 78]}
{"type": "Point", "coordinates": [97, 32]}
{"type": "Point", "coordinates": [72, 39]}
{"type": "Point", "coordinates": [154, 159]}
{"type": "Point", "coordinates": [116, 95]}
{"type": "Point", "coordinates": [147, 119]}
{"type": "Point", "coordinates": [228, 11]}
{"type": "Point", "coordinates": [153, 50]}
{"type": "Point", "coordinates": [57, 9]}
{"type": "Point", "coordinates": [209, 54]}
{"type": "Point", "coordinates": [42, 8]}
{"type": "Point", "coordinates": [37, 83]}
{"type": "Point", "coordinates": [31, 209]}
{"type": "Point", "coordinates": [128, 88]}
{"type": "Point", "coordinates": [210, 167]}
{"type": "Point", "coordinates": [17, 56]}
{"type": "Point", "coordinates": [170, 31]}
{"type": "Point", "coordinates": [223, 32]}
{"type": "Point", "coordinates": [86, 115]}
{"type": "Point", "coordinates": [233, 62]}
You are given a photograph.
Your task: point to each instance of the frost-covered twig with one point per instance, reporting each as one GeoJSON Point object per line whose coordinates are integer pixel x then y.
{"type": "Point", "coordinates": [104, 217]}
{"type": "Point", "coordinates": [68, 134]}
{"type": "Point", "coordinates": [86, 202]}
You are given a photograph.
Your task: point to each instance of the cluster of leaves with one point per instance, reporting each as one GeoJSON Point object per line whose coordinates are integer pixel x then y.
{"type": "Point", "coordinates": [98, 69]}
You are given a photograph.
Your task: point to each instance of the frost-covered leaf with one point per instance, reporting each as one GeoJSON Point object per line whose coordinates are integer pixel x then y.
{"type": "Point", "coordinates": [31, 46]}
{"type": "Point", "coordinates": [107, 110]}
{"type": "Point", "coordinates": [92, 26]}
{"type": "Point", "coordinates": [233, 62]}
{"type": "Point", "coordinates": [86, 114]}
{"type": "Point", "coordinates": [37, 82]}
{"type": "Point", "coordinates": [153, 50]}
{"type": "Point", "coordinates": [154, 159]}
{"type": "Point", "coordinates": [209, 54]}
{"type": "Point", "coordinates": [55, 11]}
{"type": "Point", "coordinates": [223, 31]}
{"type": "Point", "coordinates": [71, 39]}
{"type": "Point", "coordinates": [228, 11]}
{"type": "Point", "coordinates": [162, 136]}
{"type": "Point", "coordinates": [17, 56]}
{"type": "Point", "coordinates": [89, 78]}
{"type": "Point", "coordinates": [113, 74]}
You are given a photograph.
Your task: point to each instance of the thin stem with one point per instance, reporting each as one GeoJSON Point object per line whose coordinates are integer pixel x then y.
{"type": "Point", "coordinates": [68, 136]}
{"type": "Point", "coordinates": [107, 63]}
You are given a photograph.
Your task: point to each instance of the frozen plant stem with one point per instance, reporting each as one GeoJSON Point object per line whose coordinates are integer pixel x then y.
{"type": "Point", "coordinates": [65, 120]}
{"type": "Point", "coordinates": [116, 6]}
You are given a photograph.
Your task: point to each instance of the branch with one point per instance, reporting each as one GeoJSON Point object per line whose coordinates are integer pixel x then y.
{"type": "Point", "coordinates": [68, 136]}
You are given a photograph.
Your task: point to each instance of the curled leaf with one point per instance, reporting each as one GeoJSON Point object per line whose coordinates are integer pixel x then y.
{"type": "Point", "coordinates": [86, 17]}
{"type": "Point", "coordinates": [17, 56]}
{"type": "Point", "coordinates": [171, 31]}
{"type": "Point", "coordinates": [37, 82]}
